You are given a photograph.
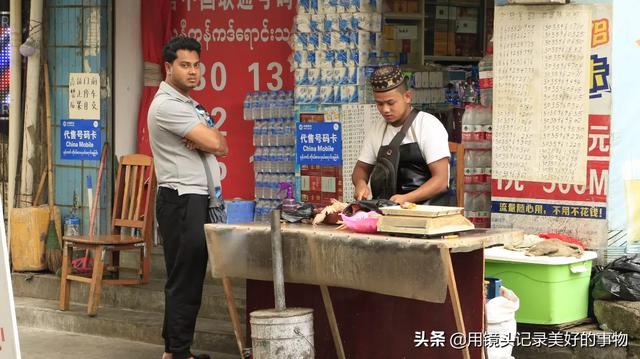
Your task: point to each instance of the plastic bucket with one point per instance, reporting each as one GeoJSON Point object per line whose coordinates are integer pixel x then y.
{"type": "Point", "coordinates": [240, 211]}
{"type": "Point", "coordinates": [282, 334]}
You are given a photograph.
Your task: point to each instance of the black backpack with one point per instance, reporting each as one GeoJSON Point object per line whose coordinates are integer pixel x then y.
{"type": "Point", "coordinates": [384, 176]}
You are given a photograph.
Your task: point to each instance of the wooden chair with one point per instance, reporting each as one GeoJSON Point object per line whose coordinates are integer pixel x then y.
{"type": "Point", "coordinates": [458, 150]}
{"type": "Point", "coordinates": [131, 229]}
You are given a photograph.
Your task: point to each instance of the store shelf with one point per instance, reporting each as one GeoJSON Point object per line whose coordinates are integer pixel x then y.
{"type": "Point", "coordinates": [402, 16]}
{"type": "Point", "coordinates": [456, 3]}
{"type": "Point", "coordinates": [452, 58]}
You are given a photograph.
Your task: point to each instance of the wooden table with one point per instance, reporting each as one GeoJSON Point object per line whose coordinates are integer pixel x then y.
{"type": "Point", "coordinates": [388, 292]}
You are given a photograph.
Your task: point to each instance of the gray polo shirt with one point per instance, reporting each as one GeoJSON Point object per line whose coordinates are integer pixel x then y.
{"type": "Point", "coordinates": [171, 116]}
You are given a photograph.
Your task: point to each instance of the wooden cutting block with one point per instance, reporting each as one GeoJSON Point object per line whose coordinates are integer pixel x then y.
{"type": "Point", "coordinates": [421, 211]}
{"type": "Point", "coordinates": [428, 226]}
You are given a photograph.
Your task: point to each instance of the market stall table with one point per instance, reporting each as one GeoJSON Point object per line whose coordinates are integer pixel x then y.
{"type": "Point", "coordinates": [389, 293]}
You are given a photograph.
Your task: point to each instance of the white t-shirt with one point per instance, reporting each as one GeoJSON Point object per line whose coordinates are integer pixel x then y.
{"type": "Point", "coordinates": [433, 139]}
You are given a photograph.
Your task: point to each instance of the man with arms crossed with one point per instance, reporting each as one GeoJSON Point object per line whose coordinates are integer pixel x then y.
{"type": "Point", "coordinates": [179, 128]}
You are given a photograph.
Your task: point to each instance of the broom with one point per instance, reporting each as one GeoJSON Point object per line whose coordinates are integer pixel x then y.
{"type": "Point", "coordinates": [52, 251]}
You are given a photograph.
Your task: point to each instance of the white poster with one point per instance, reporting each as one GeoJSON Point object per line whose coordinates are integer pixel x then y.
{"type": "Point", "coordinates": [541, 93]}
{"type": "Point", "coordinates": [9, 344]}
{"type": "Point", "coordinates": [84, 96]}
{"type": "Point", "coordinates": [357, 119]}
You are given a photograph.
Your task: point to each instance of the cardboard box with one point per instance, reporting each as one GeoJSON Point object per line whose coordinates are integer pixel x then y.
{"type": "Point", "coordinates": [467, 45]}
{"type": "Point", "coordinates": [444, 44]}
{"type": "Point", "coordinates": [441, 26]}
{"type": "Point", "coordinates": [442, 13]}
{"type": "Point", "coordinates": [406, 32]}
{"type": "Point", "coordinates": [389, 45]}
{"type": "Point", "coordinates": [466, 26]}
{"type": "Point", "coordinates": [311, 197]}
{"type": "Point", "coordinates": [389, 32]}
{"type": "Point", "coordinates": [328, 184]}
{"type": "Point", "coordinates": [406, 46]}
{"type": "Point", "coordinates": [400, 6]}
{"type": "Point", "coordinates": [412, 6]}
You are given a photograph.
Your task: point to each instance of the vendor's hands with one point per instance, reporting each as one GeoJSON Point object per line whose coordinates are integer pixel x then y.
{"type": "Point", "coordinates": [362, 192]}
{"type": "Point", "coordinates": [189, 144]}
{"type": "Point", "coordinates": [399, 198]}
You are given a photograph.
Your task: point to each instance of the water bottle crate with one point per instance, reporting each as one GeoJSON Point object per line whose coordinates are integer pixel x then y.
{"type": "Point", "coordinates": [274, 173]}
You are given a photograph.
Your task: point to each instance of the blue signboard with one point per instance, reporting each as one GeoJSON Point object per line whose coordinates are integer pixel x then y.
{"type": "Point", "coordinates": [319, 143]}
{"type": "Point", "coordinates": [80, 140]}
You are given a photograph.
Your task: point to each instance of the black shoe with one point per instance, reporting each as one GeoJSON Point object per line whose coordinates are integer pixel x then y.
{"type": "Point", "coordinates": [201, 356]}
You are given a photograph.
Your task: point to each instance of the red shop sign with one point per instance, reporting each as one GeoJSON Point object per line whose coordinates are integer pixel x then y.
{"type": "Point", "coordinates": [244, 48]}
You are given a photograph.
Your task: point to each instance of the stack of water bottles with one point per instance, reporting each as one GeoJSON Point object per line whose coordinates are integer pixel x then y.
{"type": "Point", "coordinates": [274, 141]}
{"type": "Point", "coordinates": [476, 138]}
{"type": "Point", "coordinates": [333, 41]}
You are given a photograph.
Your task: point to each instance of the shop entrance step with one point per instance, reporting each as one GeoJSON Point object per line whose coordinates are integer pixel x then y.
{"type": "Point", "coordinates": [136, 325]}
{"type": "Point", "coordinates": [148, 297]}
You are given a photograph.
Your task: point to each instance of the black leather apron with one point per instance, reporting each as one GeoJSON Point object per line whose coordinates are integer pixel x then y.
{"type": "Point", "coordinates": [413, 171]}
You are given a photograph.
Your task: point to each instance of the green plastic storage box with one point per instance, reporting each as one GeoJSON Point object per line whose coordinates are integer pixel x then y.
{"type": "Point", "coordinates": [552, 290]}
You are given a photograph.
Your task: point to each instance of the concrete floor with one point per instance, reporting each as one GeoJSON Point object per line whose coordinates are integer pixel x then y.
{"type": "Point", "coordinates": [49, 344]}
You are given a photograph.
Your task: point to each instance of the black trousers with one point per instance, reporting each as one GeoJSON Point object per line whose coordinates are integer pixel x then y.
{"type": "Point", "coordinates": [181, 222]}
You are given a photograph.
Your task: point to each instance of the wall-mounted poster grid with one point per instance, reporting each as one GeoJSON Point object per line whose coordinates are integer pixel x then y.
{"type": "Point", "coordinates": [574, 209]}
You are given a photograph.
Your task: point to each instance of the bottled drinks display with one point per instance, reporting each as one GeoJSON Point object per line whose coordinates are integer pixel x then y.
{"type": "Point", "coordinates": [485, 69]}
{"type": "Point", "coordinates": [476, 138]}
{"type": "Point", "coordinates": [274, 141]}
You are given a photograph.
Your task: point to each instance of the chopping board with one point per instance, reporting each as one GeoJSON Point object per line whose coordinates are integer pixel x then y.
{"type": "Point", "coordinates": [421, 211]}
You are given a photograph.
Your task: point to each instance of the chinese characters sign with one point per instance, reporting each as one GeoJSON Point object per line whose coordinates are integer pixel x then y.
{"type": "Point", "coordinates": [244, 49]}
{"type": "Point", "coordinates": [579, 210]}
{"type": "Point", "coordinates": [84, 96]}
{"type": "Point", "coordinates": [319, 143]}
{"type": "Point", "coordinates": [80, 140]}
{"type": "Point", "coordinates": [541, 93]}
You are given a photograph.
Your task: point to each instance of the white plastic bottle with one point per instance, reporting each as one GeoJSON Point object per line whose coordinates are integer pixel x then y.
{"type": "Point", "coordinates": [256, 161]}
{"type": "Point", "coordinates": [246, 107]}
{"type": "Point", "coordinates": [269, 133]}
{"type": "Point", "coordinates": [469, 205]}
{"type": "Point", "coordinates": [290, 102]}
{"type": "Point", "coordinates": [469, 165]}
{"type": "Point", "coordinates": [467, 127]}
{"type": "Point", "coordinates": [292, 132]}
{"type": "Point", "coordinates": [260, 185]}
{"type": "Point", "coordinates": [257, 133]}
{"type": "Point", "coordinates": [279, 159]}
{"type": "Point", "coordinates": [255, 106]}
{"type": "Point", "coordinates": [279, 131]}
{"type": "Point", "coordinates": [482, 205]}
{"type": "Point", "coordinates": [485, 69]}
{"type": "Point", "coordinates": [272, 104]}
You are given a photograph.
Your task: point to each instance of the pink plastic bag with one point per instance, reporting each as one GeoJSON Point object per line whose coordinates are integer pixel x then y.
{"type": "Point", "coordinates": [361, 222]}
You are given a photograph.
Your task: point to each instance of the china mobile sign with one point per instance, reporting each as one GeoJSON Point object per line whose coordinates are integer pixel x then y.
{"type": "Point", "coordinates": [244, 49]}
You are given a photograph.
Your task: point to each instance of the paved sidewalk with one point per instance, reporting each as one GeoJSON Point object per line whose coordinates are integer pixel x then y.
{"type": "Point", "coordinates": [48, 344]}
